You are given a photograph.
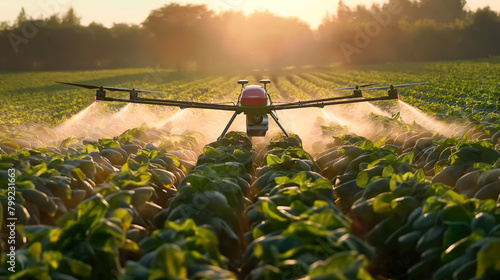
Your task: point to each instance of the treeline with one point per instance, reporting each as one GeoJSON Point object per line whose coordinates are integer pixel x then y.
{"type": "Point", "coordinates": [404, 30]}
{"type": "Point", "coordinates": [61, 42]}
{"type": "Point", "coordinates": [192, 37]}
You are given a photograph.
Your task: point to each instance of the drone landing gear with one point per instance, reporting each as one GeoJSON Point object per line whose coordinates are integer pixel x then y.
{"type": "Point", "coordinates": [228, 125]}
{"type": "Point", "coordinates": [275, 118]}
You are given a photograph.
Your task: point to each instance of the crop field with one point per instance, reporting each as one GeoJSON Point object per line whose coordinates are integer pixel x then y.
{"type": "Point", "coordinates": [405, 189]}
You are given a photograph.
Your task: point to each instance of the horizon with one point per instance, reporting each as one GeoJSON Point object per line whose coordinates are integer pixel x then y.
{"type": "Point", "coordinates": [136, 12]}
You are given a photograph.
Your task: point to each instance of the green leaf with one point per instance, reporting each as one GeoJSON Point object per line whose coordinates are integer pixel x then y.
{"type": "Point", "coordinates": [440, 165]}
{"type": "Point", "coordinates": [362, 179]}
{"type": "Point", "coordinates": [90, 148]}
{"type": "Point", "coordinates": [126, 167]}
{"type": "Point", "coordinates": [419, 174]}
{"type": "Point", "coordinates": [130, 246]}
{"type": "Point", "coordinates": [487, 258]}
{"type": "Point", "coordinates": [271, 211]}
{"type": "Point", "coordinates": [187, 226]}
{"type": "Point", "coordinates": [141, 196]}
{"type": "Point", "coordinates": [37, 272]}
{"type": "Point", "coordinates": [6, 165]}
{"type": "Point", "coordinates": [77, 173]}
{"type": "Point", "coordinates": [328, 220]}
{"type": "Point", "coordinates": [35, 251]}
{"type": "Point", "coordinates": [388, 171]}
{"type": "Point", "coordinates": [297, 153]}
{"type": "Point", "coordinates": [380, 142]}
{"type": "Point", "coordinates": [135, 270]}
{"type": "Point", "coordinates": [169, 263]}
{"type": "Point", "coordinates": [305, 229]}
{"type": "Point", "coordinates": [118, 198]}
{"type": "Point", "coordinates": [10, 143]}
{"type": "Point", "coordinates": [408, 157]}
{"type": "Point", "coordinates": [108, 142]}
{"type": "Point", "coordinates": [342, 265]}
{"type": "Point", "coordinates": [393, 184]}
{"type": "Point", "coordinates": [126, 138]}
{"type": "Point", "coordinates": [38, 170]}
{"type": "Point", "coordinates": [367, 145]}
{"type": "Point", "coordinates": [433, 203]}
{"type": "Point", "coordinates": [497, 163]}
{"type": "Point", "coordinates": [25, 184]}
{"type": "Point", "coordinates": [90, 211]}
{"type": "Point", "coordinates": [383, 202]}
{"type": "Point", "coordinates": [270, 159]}
{"type": "Point", "coordinates": [106, 235]}
{"type": "Point", "coordinates": [52, 258]}
{"type": "Point", "coordinates": [210, 151]}
{"type": "Point", "coordinates": [404, 205]}
{"type": "Point", "coordinates": [482, 166]}
{"type": "Point", "coordinates": [68, 141]}
{"type": "Point", "coordinates": [148, 153]}
{"type": "Point", "coordinates": [488, 205]}
{"type": "Point", "coordinates": [299, 179]}
{"type": "Point", "coordinates": [122, 216]}
{"type": "Point", "coordinates": [139, 163]}
{"type": "Point", "coordinates": [176, 161]}
{"type": "Point", "coordinates": [79, 268]}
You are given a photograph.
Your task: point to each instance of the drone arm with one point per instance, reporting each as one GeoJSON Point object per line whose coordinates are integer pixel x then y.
{"type": "Point", "coordinates": [320, 104]}
{"type": "Point", "coordinates": [323, 100]}
{"type": "Point", "coordinates": [173, 103]}
{"type": "Point", "coordinates": [275, 118]}
{"type": "Point", "coordinates": [228, 126]}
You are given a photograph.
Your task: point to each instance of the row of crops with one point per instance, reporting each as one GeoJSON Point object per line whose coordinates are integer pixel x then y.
{"type": "Point", "coordinates": [426, 203]}
{"type": "Point", "coordinates": [297, 231]}
{"type": "Point", "coordinates": [82, 209]}
{"type": "Point", "coordinates": [414, 205]}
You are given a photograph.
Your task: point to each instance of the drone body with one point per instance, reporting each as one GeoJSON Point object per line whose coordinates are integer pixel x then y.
{"type": "Point", "coordinates": [254, 101]}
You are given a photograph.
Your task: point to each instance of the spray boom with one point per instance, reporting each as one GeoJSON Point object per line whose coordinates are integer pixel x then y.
{"type": "Point", "coordinates": [254, 101]}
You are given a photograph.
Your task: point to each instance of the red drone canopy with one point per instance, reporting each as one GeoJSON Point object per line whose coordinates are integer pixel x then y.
{"type": "Point", "coordinates": [253, 95]}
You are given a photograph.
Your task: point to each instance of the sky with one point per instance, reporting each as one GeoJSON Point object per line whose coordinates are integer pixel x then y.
{"type": "Point", "coordinates": [108, 12]}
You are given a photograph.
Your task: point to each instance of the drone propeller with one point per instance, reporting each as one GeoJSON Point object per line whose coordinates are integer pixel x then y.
{"type": "Point", "coordinates": [109, 88]}
{"type": "Point", "coordinates": [395, 86]}
{"type": "Point", "coordinates": [355, 87]}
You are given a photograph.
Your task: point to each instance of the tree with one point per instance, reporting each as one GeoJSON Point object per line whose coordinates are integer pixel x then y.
{"type": "Point", "coordinates": [343, 12]}
{"type": "Point", "coordinates": [4, 25]}
{"type": "Point", "coordinates": [481, 37]}
{"type": "Point", "coordinates": [182, 35]}
{"type": "Point", "coordinates": [70, 18]}
{"type": "Point", "coordinates": [442, 11]}
{"type": "Point", "coordinates": [21, 18]}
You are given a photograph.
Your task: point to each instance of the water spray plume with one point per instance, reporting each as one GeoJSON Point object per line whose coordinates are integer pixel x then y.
{"type": "Point", "coordinates": [210, 123]}
{"type": "Point", "coordinates": [375, 109]}
{"type": "Point", "coordinates": [410, 114]}
{"type": "Point", "coordinates": [79, 124]}
{"type": "Point", "coordinates": [332, 117]}
{"type": "Point", "coordinates": [99, 120]}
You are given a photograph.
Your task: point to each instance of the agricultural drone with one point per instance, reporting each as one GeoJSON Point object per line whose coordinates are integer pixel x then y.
{"type": "Point", "coordinates": [254, 101]}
